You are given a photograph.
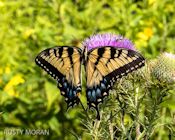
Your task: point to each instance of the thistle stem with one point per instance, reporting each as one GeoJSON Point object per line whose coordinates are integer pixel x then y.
{"type": "Point", "coordinates": [137, 104]}
{"type": "Point", "coordinates": [157, 101]}
{"type": "Point", "coordinates": [96, 127]}
{"type": "Point", "coordinates": [111, 131]}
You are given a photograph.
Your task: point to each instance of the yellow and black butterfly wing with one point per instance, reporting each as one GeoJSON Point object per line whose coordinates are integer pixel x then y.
{"type": "Point", "coordinates": [64, 65]}
{"type": "Point", "coordinates": [104, 66]}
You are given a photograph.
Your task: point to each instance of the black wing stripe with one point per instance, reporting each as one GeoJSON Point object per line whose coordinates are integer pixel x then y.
{"type": "Point", "coordinates": [113, 52]}
{"type": "Point", "coordinates": [55, 52]}
{"type": "Point", "coordinates": [43, 63]}
{"type": "Point", "coordinates": [100, 54]}
{"type": "Point", "coordinates": [119, 53]}
{"type": "Point", "coordinates": [60, 52]}
{"type": "Point", "coordinates": [70, 52]}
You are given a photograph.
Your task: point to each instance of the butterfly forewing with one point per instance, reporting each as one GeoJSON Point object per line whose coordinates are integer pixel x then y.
{"type": "Point", "coordinates": [64, 65]}
{"type": "Point", "coordinates": [104, 66]}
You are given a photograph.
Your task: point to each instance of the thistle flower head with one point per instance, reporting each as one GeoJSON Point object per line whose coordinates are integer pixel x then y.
{"type": "Point", "coordinates": [107, 39]}
{"type": "Point", "coordinates": [164, 68]}
{"type": "Point", "coordinates": [169, 56]}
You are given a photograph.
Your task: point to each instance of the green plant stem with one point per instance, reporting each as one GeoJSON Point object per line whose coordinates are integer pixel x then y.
{"type": "Point", "coordinates": [122, 121]}
{"type": "Point", "coordinates": [96, 128]}
{"type": "Point", "coordinates": [137, 104]}
{"type": "Point", "coordinates": [162, 121]}
{"type": "Point", "coordinates": [158, 99]}
{"type": "Point", "coordinates": [150, 126]}
{"type": "Point", "coordinates": [111, 131]}
{"type": "Point", "coordinates": [137, 124]}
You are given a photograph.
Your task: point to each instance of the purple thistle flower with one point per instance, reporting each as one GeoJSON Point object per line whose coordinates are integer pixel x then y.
{"type": "Point", "coordinates": [107, 39]}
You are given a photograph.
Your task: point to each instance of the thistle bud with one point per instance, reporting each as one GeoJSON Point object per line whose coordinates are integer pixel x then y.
{"type": "Point", "coordinates": [164, 68]}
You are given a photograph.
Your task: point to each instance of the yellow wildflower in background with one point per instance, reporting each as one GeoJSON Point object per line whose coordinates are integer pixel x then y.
{"type": "Point", "coordinates": [1, 71]}
{"type": "Point", "coordinates": [143, 37]}
{"type": "Point", "coordinates": [28, 33]}
{"type": "Point", "coordinates": [1, 4]}
{"type": "Point", "coordinates": [7, 70]}
{"type": "Point", "coordinates": [16, 80]}
{"type": "Point", "coordinates": [150, 2]}
{"type": "Point", "coordinates": [145, 34]}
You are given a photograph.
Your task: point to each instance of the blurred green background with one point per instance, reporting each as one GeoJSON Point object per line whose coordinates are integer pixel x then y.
{"type": "Point", "coordinates": [29, 99]}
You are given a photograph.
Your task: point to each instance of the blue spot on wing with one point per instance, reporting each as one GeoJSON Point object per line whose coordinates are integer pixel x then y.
{"type": "Point", "coordinates": [102, 87]}
{"type": "Point", "coordinates": [98, 92]}
{"type": "Point", "coordinates": [65, 85]}
{"type": "Point", "coordinates": [69, 92]}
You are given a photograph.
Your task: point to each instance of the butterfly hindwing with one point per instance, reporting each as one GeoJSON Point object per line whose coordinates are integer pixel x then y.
{"type": "Point", "coordinates": [64, 65]}
{"type": "Point", "coordinates": [104, 66]}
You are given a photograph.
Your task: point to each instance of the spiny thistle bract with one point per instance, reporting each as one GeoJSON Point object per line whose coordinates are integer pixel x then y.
{"type": "Point", "coordinates": [163, 68]}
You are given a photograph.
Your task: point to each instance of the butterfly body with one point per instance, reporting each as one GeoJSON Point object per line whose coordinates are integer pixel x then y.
{"type": "Point", "coordinates": [103, 66]}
